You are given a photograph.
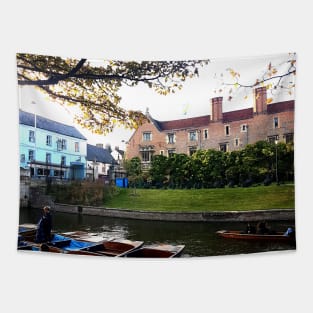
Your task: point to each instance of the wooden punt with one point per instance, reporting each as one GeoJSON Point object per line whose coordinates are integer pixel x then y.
{"type": "Point", "coordinates": [235, 234]}
{"type": "Point", "coordinates": [157, 251]}
{"type": "Point", "coordinates": [27, 229]}
{"type": "Point", "coordinates": [114, 247]}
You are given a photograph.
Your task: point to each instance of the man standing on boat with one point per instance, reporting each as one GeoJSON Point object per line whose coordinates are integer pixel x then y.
{"type": "Point", "coordinates": [43, 233]}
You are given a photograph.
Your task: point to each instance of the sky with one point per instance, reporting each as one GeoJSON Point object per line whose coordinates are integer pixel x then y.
{"type": "Point", "coordinates": [192, 100]}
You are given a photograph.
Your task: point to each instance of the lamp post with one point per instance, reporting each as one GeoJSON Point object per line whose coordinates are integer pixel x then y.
{"type": "Point", "coordinates": [276, 170]}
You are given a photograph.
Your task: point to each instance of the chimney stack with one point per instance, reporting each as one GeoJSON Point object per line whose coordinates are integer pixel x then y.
{"type": "Point", "coordinates": [99, 145]}
{"type": "Point", "coordinates": [260, 100]}
{"type": "Point", "coordinates": [217, 109]}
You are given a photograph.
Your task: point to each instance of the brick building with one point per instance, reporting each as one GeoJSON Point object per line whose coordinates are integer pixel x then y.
{"type": "Point", "coordinates": [225, 131]}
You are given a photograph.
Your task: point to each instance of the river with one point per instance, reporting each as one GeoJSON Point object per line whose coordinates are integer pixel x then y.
{"type": "Point", "coordinates": [199, 238]}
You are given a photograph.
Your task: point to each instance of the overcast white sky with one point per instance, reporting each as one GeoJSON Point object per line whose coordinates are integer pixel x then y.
{"type": "Point", "coordinates": [192, 100]}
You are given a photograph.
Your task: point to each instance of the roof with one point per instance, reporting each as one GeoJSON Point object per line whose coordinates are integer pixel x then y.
{"type": "Point", "coordinates": [237, 115]}
{"type": "Point", "coordinates": [192, 122]}
{"type": "Point", "coordinates": [281, 106]}
{"type": "Point", "coordinates": [119, 151]}
{"type": "Point", "coordinates": [99, 154]}
{"type": "Point", "coordinates": [27, 118]}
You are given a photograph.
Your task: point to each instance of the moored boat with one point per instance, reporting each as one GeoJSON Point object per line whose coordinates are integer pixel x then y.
{"type": "Point", "coordinates": [157, 251]}
{"type": "Point", "coordinates": [114, 247]}
{"type": "Point", "coordinates": [236, 234]}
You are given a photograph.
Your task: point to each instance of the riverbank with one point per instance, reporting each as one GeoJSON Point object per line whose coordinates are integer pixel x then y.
{"type": "Point", "coordinates": [204, 200]}
{"type": "Point", "coordinates": [214, 216]}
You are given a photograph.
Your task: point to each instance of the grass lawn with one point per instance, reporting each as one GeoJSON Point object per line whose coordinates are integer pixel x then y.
{"type": "Point", "coordinates": [195, 200]}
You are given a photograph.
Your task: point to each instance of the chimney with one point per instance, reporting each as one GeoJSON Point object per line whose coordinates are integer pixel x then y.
{"type": "Point", "coordinates": [217, 109]}
{"type": "Point", "coordinates": [260, 100]}
{"type": "Point", "coordinates": [99, 145]}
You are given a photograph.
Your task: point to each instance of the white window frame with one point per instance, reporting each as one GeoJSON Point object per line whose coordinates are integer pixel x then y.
{"type": "Point", "coordinates": [243, 128]}
{"type": "Point", "coordinates": [170, 135]}
{"type": "Point", "coordinates": [149, 134]}
{"type": "Point", "coordinates": [48, 156]}
{"type": "Point", "coordinates": [274, 122]}
{"type": "Point", "coordinates": [31, 152]}
{"type": "Point", "coordinates": [146, 156]}
{"type": "Point", "coordinates": [224, 143]}
{"type": "Point", "coordinates": [170, 152]}
{"type": "Point", "coordinates": [31, 136]}
{"type": "Point", "coordinates": [194, 137]}
{"type": "Point", "coordinates": [205, 134]}
{"type": "Point", "coordinates": [49, 140]}
{"type": "Point", "coordinates": [63, 160]}
{"type": "Point", "coordinates": [193, 149]}
{"type": "Point", "coordinates": [76, 146]}
{"type": "Point", "coordinates": [237, 142]}
{"type": "Point", "coordinates": [225, 129]}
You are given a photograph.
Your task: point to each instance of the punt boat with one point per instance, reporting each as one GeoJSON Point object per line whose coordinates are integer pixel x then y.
{"type": "Point", "coordinates": [236, 234]}
{"type": "Point", "coordinates": [156, 251]}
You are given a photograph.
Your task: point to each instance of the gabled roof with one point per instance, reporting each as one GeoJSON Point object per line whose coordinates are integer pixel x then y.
{"type": "Point", "coordinates": [98, 154]}
{"type": "Point", "coordinates": [192, 122]}
{"type": "Point", "coordinates": [27, 118]}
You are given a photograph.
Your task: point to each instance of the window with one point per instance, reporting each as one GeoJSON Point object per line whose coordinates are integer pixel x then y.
{"type": "Point", "coordinates": [192, 150]}
{"type": "Point", "coordinates": [76, 146]}
{"type": "Point", "coordinates": [147, 136]}
{"type": "Point", "coordinates": [193, 135]}
{"type": "Point", "coordinates": [170, 152]}
{"type": "Point", "coordinates": [46, 172]}
{"type": "Point", "coordinates": [145, 156]}
{"type": "Point", "coordinates": [205, 134]}
{"type": "Point", "coordinates": [272, 139]}
{"type": "Point", "coordinates": [63, 160]}
{"type": "Point", "coordinates": [49, 140]}
{"type": "Point", "coordinates": [224, 147]}
{"type": "Point", "coordinates": [58, 173]}
{"type": "Point", "coordinates": [61, 144]}
{"type": "Point", "coordinates": [31, 137]}
{"type": "Point", "coordinates": [48, 157]}
{"type": "Point", "coordinates": [275, 122]}
{"type": "Point", "coordinates": [236, 142]}
{"type": "Point", "coordinates": [288, 138]}
{"type": "Point", "coordinates": [40, 171]}
{"type": "Point", "coordinates": [161, 152]}
{"type": "Point", "coordinates": [170, 138]}
{"type": "Point", "coordinates": [243, 128]}
{"type": "Point", "coordinates": [227, 130]}
{"type": "Point", "coordinates": [31, 155]}
{"type": "Point", "coordinates": [22, 158]}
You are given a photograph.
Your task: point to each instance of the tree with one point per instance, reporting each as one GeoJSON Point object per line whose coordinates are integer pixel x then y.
{"type": "Point", "coordinates": [94, 88]}
{"type": "Point", "coordinates": [159, 170]}
{"type": "Point", "coordinates": [134, 172]}
{"type": "Point", "coordinates": [275, 77]}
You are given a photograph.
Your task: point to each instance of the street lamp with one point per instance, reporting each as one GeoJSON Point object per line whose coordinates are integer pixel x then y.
{"type": "Point", "coordinates": [276, 171]}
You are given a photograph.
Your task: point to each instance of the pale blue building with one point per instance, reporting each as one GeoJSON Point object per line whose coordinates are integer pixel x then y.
{"type": "Point", "coordinates": [49, 149]}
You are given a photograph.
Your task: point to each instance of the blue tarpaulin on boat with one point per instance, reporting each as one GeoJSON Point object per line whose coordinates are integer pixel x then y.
{"type": "Point", "coordinates": [73, 245]}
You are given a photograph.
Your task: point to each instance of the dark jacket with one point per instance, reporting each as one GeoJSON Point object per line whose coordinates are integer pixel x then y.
{"type": "Point", "coordinates": [44, 228]}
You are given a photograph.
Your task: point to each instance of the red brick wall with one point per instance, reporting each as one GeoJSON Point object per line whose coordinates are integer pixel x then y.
{"type": "Point", "coordinates": [259, 127]}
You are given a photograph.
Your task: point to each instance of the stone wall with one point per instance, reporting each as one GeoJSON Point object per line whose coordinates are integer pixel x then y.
{"type": "Point", "coordinates": [233, 216]}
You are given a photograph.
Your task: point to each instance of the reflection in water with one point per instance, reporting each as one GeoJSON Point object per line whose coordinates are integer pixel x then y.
{"type": "Point", "coordinates": [198, 237]}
